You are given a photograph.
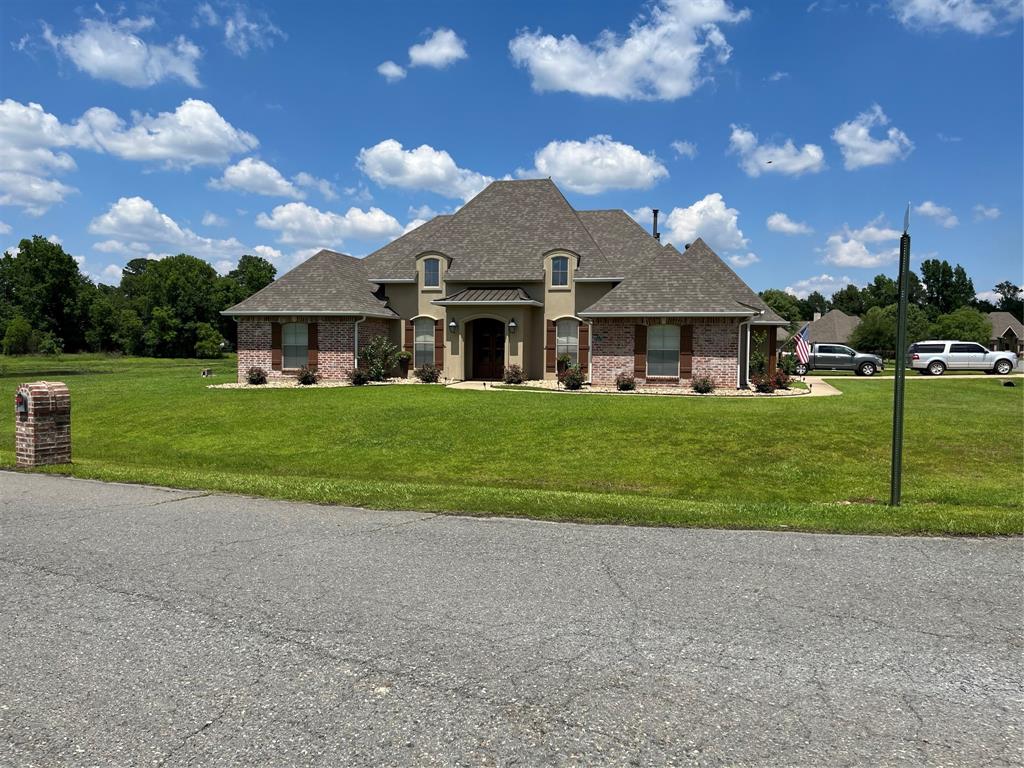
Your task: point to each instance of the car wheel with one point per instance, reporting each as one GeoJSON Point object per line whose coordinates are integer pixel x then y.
{"type": "Point", "coordinates": [936, 367]}
{"type": "Point", "coordinates": [866, 369]}
{"type": "Point", "coordinates": [801, 369]}
{"type": "Point", "coordinates": [1003, 367]}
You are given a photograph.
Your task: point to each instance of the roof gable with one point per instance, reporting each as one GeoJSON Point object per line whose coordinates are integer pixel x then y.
{"type": "Point", "coordinates": [327, 283]}
{"type": "Point", "coordinates": [834, 326]}
{"type": "Point", "coordinates": [1003, 322]}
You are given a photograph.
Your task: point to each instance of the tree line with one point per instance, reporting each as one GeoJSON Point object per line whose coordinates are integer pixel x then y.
{"type": "Point", "coordinates": [942, 304]}
{"type": "Point", "coordinates": [162, 308]}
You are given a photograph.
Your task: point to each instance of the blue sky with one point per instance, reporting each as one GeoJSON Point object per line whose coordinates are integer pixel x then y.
{"type": "Point", "coordinates": [790, 135]}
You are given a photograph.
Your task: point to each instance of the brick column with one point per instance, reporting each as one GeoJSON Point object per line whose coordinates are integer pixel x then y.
{"type": "Point", "coordinates": [42, 419]}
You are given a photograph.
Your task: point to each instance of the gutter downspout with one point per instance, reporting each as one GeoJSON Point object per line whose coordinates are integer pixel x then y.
{"type": "Point", "coordinates": [355, 341]}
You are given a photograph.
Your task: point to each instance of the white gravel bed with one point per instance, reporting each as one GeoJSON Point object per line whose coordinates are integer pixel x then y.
{"type": "Point", "coordinates": [552, 385]}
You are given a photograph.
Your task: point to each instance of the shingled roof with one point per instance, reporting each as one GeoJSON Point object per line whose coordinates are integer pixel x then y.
{"type": "Point", "coordinates": [500, 235]}
{"type": "Point", "coordinates": [327, 283]}
{"type": "Point", "coordinates": [693, 282]}
{"type": "Point", "coordinates": [835, 326]}
{"type": "Point", "coordinates": [1003, 322]}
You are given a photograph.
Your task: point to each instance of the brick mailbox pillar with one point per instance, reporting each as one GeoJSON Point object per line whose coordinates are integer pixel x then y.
{"type": "Point", "coordinates": [42, 418]}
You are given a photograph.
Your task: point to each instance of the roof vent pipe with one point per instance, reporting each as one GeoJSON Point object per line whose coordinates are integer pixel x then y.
{"type": "Point", "coordinates": [687, 246]}
{"type": "Point", "coordinates": [654, 229]}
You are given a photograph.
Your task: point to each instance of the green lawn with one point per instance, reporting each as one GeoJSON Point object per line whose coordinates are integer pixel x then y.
{"type": "Point", "coordinates": [796, 463]}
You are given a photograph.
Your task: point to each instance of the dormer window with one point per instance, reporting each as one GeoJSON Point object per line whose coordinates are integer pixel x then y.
{"type": "Point", "coordinates": [432, 273]}
{"type": "Point", "coordinates": [560, 271]}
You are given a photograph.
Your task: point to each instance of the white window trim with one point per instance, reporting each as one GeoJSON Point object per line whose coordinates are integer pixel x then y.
{"type": "Point", "coordinates": [284, 359]}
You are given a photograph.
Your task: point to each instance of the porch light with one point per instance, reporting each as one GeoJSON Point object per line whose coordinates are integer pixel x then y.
{"type": "Point", "coordinates": [452, 326]}
{"type": "Point", "coordinates": [512, 325]}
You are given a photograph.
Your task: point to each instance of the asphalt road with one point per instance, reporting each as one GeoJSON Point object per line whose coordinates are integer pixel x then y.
{"type": "Point", "coordinates": [145, 626]}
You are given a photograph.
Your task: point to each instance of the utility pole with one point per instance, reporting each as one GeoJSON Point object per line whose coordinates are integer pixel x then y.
{"type": "Point", "coordinates": [896, 481]}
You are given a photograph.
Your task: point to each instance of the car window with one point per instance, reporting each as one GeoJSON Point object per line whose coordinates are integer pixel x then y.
{"type": "Point", "coordinates": [845, 351]}
{"type": "Point", "coordinates": [971, 348]}
{"type": "Point", "coordinates": [932, 348]}
{"type": "Point", "coordinates": [828, 349]}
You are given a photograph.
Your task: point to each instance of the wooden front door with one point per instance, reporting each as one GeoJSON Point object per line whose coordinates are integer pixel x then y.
{"type": "Point", "coordinates": [488, 349]}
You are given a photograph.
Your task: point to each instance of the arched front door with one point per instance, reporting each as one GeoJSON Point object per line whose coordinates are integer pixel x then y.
{"type": "Point", "coordinates": [488, 349]}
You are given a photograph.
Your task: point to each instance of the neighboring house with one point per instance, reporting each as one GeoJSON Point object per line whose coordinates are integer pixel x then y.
{"type": "Point", "coordinates": [834, 327]}
{"type": "Point", "coordinates": [515, 276]}
{"type": "Point", "coordinates": [1007, 332]}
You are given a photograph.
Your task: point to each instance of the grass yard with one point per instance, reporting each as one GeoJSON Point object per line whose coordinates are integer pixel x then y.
{"type": "Point", "coordinates": [817, 464]}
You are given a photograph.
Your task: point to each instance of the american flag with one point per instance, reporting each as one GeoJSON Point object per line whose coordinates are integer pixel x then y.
{"type": "Point", "coordinates": [803, 351]}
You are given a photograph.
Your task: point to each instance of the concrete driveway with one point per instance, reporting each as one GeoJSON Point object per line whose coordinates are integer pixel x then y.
{"type": "Point", "coordinates": [145, 626]}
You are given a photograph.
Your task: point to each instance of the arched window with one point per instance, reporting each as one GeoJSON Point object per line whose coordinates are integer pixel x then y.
{"type": "Point", "coordinates": [560, 271]}
{"type": "Point", "coordinates": [424, 351]}
{"type": "Point", "coordinates": [295, 344]}
{"type": "Point", "coordinates": [567, 339]}
{"type": "Point", "coordinates": [432, 273]}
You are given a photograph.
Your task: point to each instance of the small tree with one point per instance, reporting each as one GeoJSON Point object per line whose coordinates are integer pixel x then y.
{"type": "Point", "coordinates": [209, 342]}
{"type": "Point", "coordinates": [379, 358]}
{"type": "Point", "coordinates": [758, 359]}
{"type": "Point", "coordinates": [18, 337]}
{"type": "Point", "coordinates": [965, 324]}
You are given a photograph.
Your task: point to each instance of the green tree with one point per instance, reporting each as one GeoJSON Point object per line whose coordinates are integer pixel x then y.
{"type": "Point", "coordinates": [877, 329]}
{"type": "Point", "coordinates": [965, 324]}
{"type": "Point", "coordinates": [814, 302]}
{"type": "Point", "coordinates": [161, 337]}
{"type": "Point", "coordinates": [1010, 299]}
{"type": "Point", "coordinates": [102, 328]}
{"type": "Point", "coordinates": [251, 274]}
{"type": "Point", "coordinates": [209, 342]}
{"type": "Point", "coordinates": [946, 288]}
{"type": "Point", "coordinates": [18, 337]}
{"type": "Point", "coordinates": [849, 300]}
{"type": "Point", "coordinates": [783, 304]}
{"type": "Point", "coordinates": [128, 332]}
{"type": "Point", "coordinates": [880, 292]}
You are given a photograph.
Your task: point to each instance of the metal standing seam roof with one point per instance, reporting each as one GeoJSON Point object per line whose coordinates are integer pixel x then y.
{"type": "Point", "coordinates": [488, 296]}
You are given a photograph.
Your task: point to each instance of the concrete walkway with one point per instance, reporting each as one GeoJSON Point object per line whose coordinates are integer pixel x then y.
{"type": "Point", "coordinates": [150, 626]}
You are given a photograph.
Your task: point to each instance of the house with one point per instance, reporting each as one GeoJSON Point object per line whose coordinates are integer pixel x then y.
{"type": "Point", "coordinates": [1007, 332]}
{"type": "Point", "coordinates": [834, 327]}
{"type": "Point", "coordinates": [515, 276]}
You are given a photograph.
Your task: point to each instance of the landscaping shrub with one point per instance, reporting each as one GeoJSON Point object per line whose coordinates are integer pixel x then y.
{"type": "Point", "coordinates": [572, 377]}
{"type": "Point", "coordinates": [781, 379]}
{"type": "Point", "coordinates": [762, 383]}
{"type": "Point", "coordinates": [18, 337]}
{"type": "Point", "coordinates": [513, 374]}
{"type": "Point", "coordinates": [379, 358]}
{"type": "Point", "coordinates": [404, 359]}
{"type": "Point", "coordinates": [359, 377]}
{"type": "Point", "coordinates": [49, 345]}
{"type": "Point", "coordinates": [625, 382]}
{"type": "Point", "coordinates": [305, 376]}
{"type": "Point", "coordinates": [703, 384]}
{"type": "Point", "coordinates": [209, 342]}
{"type": "Point", "coordinates": [256, 375]}
{"type": "Point", "coordinates": [564, 361]}
{"type": "Point", "coordinates": [428, 374]}
{"type": "Point", "coordinates": [788, 363]}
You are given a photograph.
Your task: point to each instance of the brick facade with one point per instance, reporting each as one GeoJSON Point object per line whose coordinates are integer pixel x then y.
{"type": "Point", "coordinates": [336, 355]}
{"type": "Point", "coordinates": [715, 349]}
{"type": "Point", "coordinates": [42, 434]}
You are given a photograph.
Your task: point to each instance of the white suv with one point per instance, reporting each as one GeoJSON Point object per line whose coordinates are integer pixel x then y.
{"type": "Point", "coordinates": [936, 357]}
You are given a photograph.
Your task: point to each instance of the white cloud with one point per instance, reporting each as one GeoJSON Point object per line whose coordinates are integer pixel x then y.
{"type": "Point", "coordinates": [136, 221]}
{"type": "Point", "coordinates": [775, 77]}
{"type": "Point", "coordinates": [985, 213]}
{"type": "Point", "coordinates": [194, 134]}
{"type": "Point", "coordinates": [756, 158]}
{"type": "Point", "coordinates": [709, 218]}
{"type": "Point", "coordinates": [861, 149]}
{"type": "Point", "coordinates": [780, 222]}
{"type": "Point", "coordinates": [33, 193]}
{"type": "Point", "coordinates": [323, 186]}
{"type": "Point", "coordinates": [112, 51]}
{"type": "Point", "coordinates": [242, 33]}
{"type": "Point", "coordinates": [413, 224]}
{"type": "Point", "coordinates": [267, 252]}
{"type": "Point", "coordinates": [743, 259]}
{"type": "Point", "coordinates": [941, 214]}
{"type": "Point", "coordinates": [422, 212]}
{"type": "Point", "coordinates": [440, 50]}
{"type": "Point", "coordinates": [5, 228]}
{"type": "Point", "coordinates": [211, 219]}
{"type": "Point", "coordinates": [850, 247]}
{"type": "Point", "coordinates": [390, 71]}
{"type": "Point", "coordinates": [426, 168]}
{"type": "Point", "coordinates": [258, 177]}
{"type": "Point", "coordinates": [28, 135]}
{"type": "Point", "coordinates": [665, 55]}
{"type": "Point", "coordinates": [111, 274]}
{"type": "Point", "coordinates": [595, 165]}
{"type": "Point", "coordinates": [824, 284]}
{"type": "Point", "coordinates": [205, 15]}
{"type": "Point", "coordinates": [978, 17]}
{"type": "Point", "coordinates": [223, 266]}
{"type": "Point", "coordinates": [302, 254]}
{"type": "Point", "coordinates": [684, 149]}
{"type": "Point", "coordinates": [302, 224]}
{"type": "Point", "coordinates": [947, 139]}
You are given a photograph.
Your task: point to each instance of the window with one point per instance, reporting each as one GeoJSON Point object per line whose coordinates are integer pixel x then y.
{"type": "Point", "coordinates": [424, 351]}
{"type": "Point", "coordinates": [294, 340]}
{"type": "Point", "coordinates": [844, 351]}
{"type": "Point", "coordinates": [431, 273]}
{"type": "Point", "coordinates": [567, 340]}
{"type": "Point", "coordinates": [932, 348]}
{"type": "Point", "coordinates": [560, 271]}
{"type": "Point", "coordinates": [663, 350]}
{"type": "Point", "coordinates": [967, 348]}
